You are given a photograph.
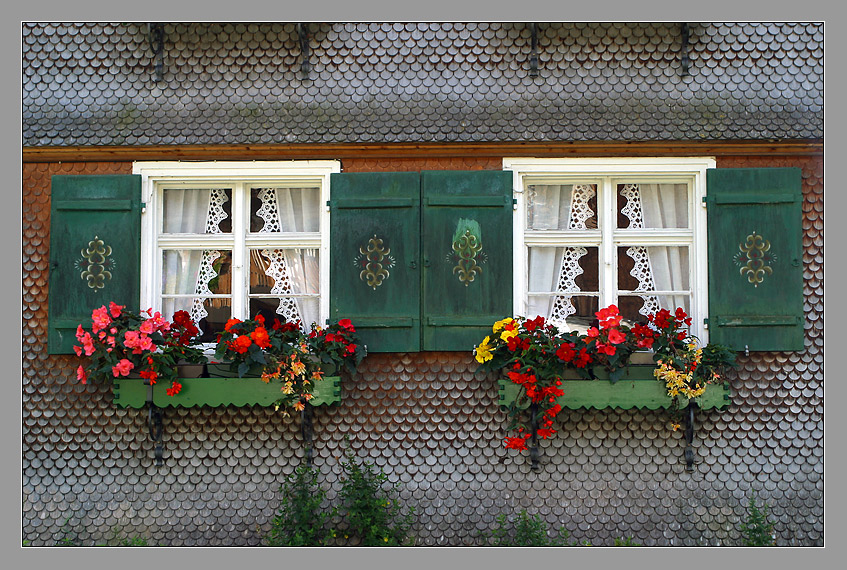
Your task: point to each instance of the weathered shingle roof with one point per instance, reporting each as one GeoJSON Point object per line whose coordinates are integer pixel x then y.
{"type": "Point", "coordinates": [238, 83]}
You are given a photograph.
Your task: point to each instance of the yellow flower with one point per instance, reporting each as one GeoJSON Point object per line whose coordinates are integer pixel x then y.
{"type": "Point", "coordinates": [506, 335]}
{"type": "Point", "coordinates": [501, 324]}
{"type": "Point", "coordinates": [483, 351]}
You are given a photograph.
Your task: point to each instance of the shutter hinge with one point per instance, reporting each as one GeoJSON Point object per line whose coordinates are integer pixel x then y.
{"type": "Point", "coordinates": [143, 207]}
{"type": "Point", "coordinates": [514, 203]}
{"type": "Point", "coordinates": [327, 205]}
{"type": "Point", "coordinates": [704, 203]}
{"type": "Point", "coordinates": [705, 323]}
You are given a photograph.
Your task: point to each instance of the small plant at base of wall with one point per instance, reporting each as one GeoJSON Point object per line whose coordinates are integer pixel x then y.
{"type": "Point", "coordinates": [373, 513]}
{"type": "Point", "coordinates": [300, 520]}
{"type": "Point", "coordinates": [757, 530]}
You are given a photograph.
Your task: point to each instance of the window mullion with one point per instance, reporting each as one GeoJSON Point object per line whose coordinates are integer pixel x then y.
{"type": "Point", "coordinates": [240, 208]}
{"type": "Point", "coordinates": [607, 205]}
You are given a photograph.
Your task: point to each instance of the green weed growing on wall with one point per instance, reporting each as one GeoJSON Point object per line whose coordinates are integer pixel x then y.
{"type": "Point", "coordinates": [373, 511]}
{"type": "Point", "coordinates": [301, 521]}
{"type": "Point", "coordinates": [757, 530]}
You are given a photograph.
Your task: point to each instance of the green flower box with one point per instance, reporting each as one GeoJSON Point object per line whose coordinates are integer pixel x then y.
{"type": "Point", "coordinates": [219, 391]}
{"type": "Point", "coordinates": [637, 388]}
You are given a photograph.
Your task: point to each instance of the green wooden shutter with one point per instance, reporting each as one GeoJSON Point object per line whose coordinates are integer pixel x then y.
{"type": "Point", "coordinates": [467, 256]}
{"type": "Point", "coordinates": [95, 251]}
{"type": "Point", "coordinates": [755, 258]}
{"type": "Point", "coordinates": [375, 257]}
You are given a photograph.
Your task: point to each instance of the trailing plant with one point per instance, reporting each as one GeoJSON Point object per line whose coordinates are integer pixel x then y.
{"type": "Point", "coordinates": [301, 519]}
{"type": "Point", "coordinates": [684, 368]}
{"type": "Point", "coordinates": [526, 530]}
{"type": "Point", "coordinates": [757, 530]}
{"type": "Point", "coordinates": [288, 356]}
{"type": "Point", "coordinates": [371, 507]}
{"type": "Point", "coordinates": [534, 355]}
{"type": "Point", "coordinates": [120, 342]}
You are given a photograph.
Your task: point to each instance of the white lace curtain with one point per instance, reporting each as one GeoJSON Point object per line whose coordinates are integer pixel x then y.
{"type": "Point", "coordinates": [656, 268]}
{"type": "Point", "coordinates": [292, 271]}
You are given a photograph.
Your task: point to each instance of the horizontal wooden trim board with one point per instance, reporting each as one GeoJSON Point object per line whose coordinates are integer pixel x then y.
{"type": "Point", "coordinates": [430, 150]}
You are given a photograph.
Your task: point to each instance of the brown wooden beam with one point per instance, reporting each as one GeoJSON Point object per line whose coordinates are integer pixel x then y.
{"type": "Point", "coordinates": [415, 150]}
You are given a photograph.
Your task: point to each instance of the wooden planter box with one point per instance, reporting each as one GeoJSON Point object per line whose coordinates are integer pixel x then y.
{"type": "Point", "coordinates": [219, 391]}
{"type": "Point", "coordinates": [638, 388]}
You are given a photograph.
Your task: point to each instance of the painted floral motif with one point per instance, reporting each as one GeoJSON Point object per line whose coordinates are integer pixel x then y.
{"type": "Point", "coordinates": [96, 263]}
{"type": "Point", "coordinates": [754, 257]}
{"type": "Point", "coordinates": [375, 260]}
{"type": "Point", "coordinates": [467, 251]}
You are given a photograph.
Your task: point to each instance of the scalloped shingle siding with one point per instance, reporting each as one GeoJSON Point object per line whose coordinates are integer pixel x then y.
{"type": "Point", "coordinates": [93, 84]}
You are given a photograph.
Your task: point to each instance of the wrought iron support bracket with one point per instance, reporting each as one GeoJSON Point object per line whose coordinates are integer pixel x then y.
{"type": "Point", "coordinates": [305, 66]}
{"type": "Point", "coordinates": [155, 425]}
{"type": "Point", "coordinates": [306, 432]}
{"type": "Point", "coordinates": [689, 436]}
{"type": "Point", "coordinates": [156, 36]}
{"type": "Point", "coordinates": [534, 454]}
{"type": "Point", "coordinates": [533, 52]}
{"type": "Point", "coordinates": [684, 49]}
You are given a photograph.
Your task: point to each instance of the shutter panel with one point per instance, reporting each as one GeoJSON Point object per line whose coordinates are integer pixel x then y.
{"type": "Point", "coordinates": [755, 258]}
{"type": "Point", "coordinates": [95, 251]}
{"type": "Point", "coordinates": [375, 257]}
{"type": "Point", "coordinates": [467, 256]}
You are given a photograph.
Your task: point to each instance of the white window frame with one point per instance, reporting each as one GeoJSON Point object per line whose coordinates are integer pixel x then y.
{"type": "Point", "coordinates": [609, 171]}
{"type": "Point", "coordinates": [156, 174]}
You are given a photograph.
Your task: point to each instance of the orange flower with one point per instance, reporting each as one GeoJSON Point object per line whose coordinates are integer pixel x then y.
{"type": "Point", "coordinates": [231, 323]}
{"type": "Point", "coordinates": [242, 344]}
{"type": "Point", "coordinates": [260, 337]}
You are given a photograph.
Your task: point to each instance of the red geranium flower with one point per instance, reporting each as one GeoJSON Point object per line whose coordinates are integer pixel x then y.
{"type": "Point", "coordinates": [174, 389]}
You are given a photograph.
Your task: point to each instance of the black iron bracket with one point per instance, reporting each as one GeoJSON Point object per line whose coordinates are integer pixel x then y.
{"type": "Point", "coordinates": [534, 453]}
{"type": "Point", "coordinates": [305, 66]}
{"type": "Point", "coordinates": [155, 425]}
{"type": "Point", "coordinates": [306, 432]}
{"type": "Point", "coordinates": [688, 418]}
{"type": "Point", "coordinates": [156, 36]}
{"type": "Point", "coordinates": [684, 50]}
{"type": "Point", "coordinates": [533, 51]}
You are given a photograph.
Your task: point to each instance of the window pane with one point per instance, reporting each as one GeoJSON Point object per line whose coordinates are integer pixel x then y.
{"type": "Point", "coordinates": [197, 211]}
{"type": "Point", "coordinates": [187, 272]}
{"type": "Point", "coordinates": [287, 275]}
{"type": "Point", "coordinates": [558, 269]}
{"type": "Point", "coordinates": [197, 274]}
{"type": "Point", "coordinates": [654, 268]}
{"type": "Point", "coordinates": [658, 206]}
{"type": "Point", "coordinates": [561, 207]}
{"type": "Point", "coordinates": [285, 210]}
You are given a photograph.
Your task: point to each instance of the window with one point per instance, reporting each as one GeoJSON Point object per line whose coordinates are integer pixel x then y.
{"type": "Point", "coordinates": [223, 240]}
{"type": "Point", "coordinates": [595, 232]}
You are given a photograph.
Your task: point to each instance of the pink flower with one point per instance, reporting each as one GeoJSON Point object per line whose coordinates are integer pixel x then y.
{"type": "Point", "coordinates": [81, 375]}
{"type": "Point", "coordinates": [100, 319]}
{"type": "Point", "coordinates": [116, 309]}
{"type": "Point", "coordinates": [139, 342]}
{"type": "Point", "coordinates": [122, 368]}
{"type": "Point", "coordinates": [593, 332]}
{"type": "Point", "coordinates": [79, 333]}
{"type": "Point", "coordinates": [88, 344]}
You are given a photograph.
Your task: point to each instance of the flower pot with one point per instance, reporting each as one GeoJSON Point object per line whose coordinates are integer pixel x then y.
{"type": "Point", "coordinates": [190, 370]}
{"type": "Point", "coordinates": [230, 370]}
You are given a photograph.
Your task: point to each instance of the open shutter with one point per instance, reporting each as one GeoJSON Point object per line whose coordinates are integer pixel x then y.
{"type": "Point", "coordinates": [467, 256]}
{"type": "Point", "coordinates": [375, 256]}
{"type": "Point", "coordinates": [95, 251]}
{"type": "Point", "coordinates": [755, 258]}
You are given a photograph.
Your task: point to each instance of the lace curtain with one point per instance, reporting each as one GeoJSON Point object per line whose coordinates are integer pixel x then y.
{"type": "Point", "coordinates": [190, 271]}
{"type": "Point", "coordinates": [288, 271]}
{"type": "Point", "coordinates": [656, 268]}
{"type": "Point", "coordinates": [292, 271]}
{"type": "Point", "coordinates": [556, 269]}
